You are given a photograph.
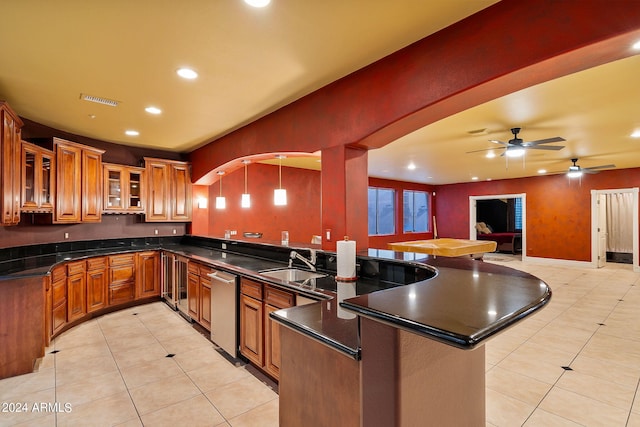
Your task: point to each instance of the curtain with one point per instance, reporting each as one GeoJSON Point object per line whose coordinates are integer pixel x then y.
{"type": "Point", "coordinates": [620, 222]}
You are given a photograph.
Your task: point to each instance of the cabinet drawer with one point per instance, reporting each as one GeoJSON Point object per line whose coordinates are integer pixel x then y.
{"type": "Point", "coordinates": [251, 288]}
{"type": "Point", "coordinates": [278, 297]}
{"type": "Point", "coordinates": [193, 267]}
{"type": "Point", "coordinates": [59, 273]}
{"type": "Point", "coordinates": [76, 267]}
{"type": "Point", "coordinates": [121, 274]}
{"type": "Point", "coordinates": [122, 259]}
{"type": "Point", "coordinates": [121, 293]}
{"type": "Point", "coordinates": [96, 263]}
{"type": "Point", "coordinates": [204, 270]}
{"type": "Point", "coordinates": [59, 292]}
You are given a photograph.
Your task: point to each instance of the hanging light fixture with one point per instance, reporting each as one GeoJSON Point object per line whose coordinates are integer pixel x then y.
{"type": "Point", "coordinates": [245, 201]}
{"type": "Point", "coordinates": [280, 194]}
{"type": "Point", "coordinates": [221, 202]}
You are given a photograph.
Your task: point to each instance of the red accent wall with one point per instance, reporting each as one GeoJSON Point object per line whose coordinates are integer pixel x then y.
{"type": "Point", "coordinates": [300, 217]}
{"type": "Point", "coordinates": [381, 242]}
{"type": "Point", "coordinates": [558, 223]}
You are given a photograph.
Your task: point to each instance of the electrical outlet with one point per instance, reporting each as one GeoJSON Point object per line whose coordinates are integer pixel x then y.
{"type": "Point", "coordinates": [155, 231]}
{"type": "Point", "coordinates": [175, 231]}
{"type": "Point", "coordinates": [224, 246]}
{"type": "Point", "coordinates": [66, 235]}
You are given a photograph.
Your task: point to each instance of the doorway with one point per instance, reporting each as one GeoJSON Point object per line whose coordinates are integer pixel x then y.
{"type": "Point", "coordinates": [473, 214]}
{"type": "Point", "coordinates": [614, 225]}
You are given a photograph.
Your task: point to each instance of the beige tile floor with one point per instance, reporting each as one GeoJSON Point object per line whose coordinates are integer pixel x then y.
{"type": "Point", "coordinates": [114, 370]}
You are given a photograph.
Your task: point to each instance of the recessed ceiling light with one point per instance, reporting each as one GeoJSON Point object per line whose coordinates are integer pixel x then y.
{"type": "Point", "coordinates": [187, 73]}
{"type": "Point", "coordinates": [490, 155]}
{"type": "Point", "coordinates": [411, 166]}
{"type": "Point", "coordinates": [257, 3]}
{"type": "Point", "coordinates": [474, 178]}
{"type": "Point", "coordinates": [541, 171]}
{"type": "Point", "coordinates": [132, 132]}
{"type": "Point", "coordinates": [636, 45]}
{"type": "Point", "coordinates": [635, 134]}
{"type": "Point", "coordinates": [153, 110]}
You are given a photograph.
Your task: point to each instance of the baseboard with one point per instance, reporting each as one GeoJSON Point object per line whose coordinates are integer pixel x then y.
{"type": "Point", "coordinates": [559, 262]}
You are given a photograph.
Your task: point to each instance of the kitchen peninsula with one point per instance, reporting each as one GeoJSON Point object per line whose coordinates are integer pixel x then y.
{"type": "Point", "coordinates": [399, 318]}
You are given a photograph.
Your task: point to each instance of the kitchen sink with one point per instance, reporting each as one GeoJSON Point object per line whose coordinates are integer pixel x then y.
{"type": "Point", "coordinates": [292, 274]}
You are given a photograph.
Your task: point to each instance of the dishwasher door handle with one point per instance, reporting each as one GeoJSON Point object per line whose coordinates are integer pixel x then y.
{"type": "Point", "coordinates": [228, 279]}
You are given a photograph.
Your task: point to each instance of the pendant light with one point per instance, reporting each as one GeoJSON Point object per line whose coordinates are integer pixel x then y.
{"type": "Point", "coordinates": [221, 202]}
{"type": "Point", "coordinates": [245, 201]}
{"type": "Point", "coordinates": [280, 194]}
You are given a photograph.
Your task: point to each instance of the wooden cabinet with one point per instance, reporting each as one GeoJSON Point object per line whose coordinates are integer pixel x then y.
{"type": "Point", "coordinates": [121, 278]}
{"type": "Point", "coordinates": [78, 183]}
{"type": "Point", "coordinates": [96, 283]}
{"type": "Point", "coordinates": [205, 301]}
{"type": "Point", "coordinates": [58, 298]}
{"type": "Point", "coordinates": [123, 189]}
{"type": "Point", "coordinates": [168, 191]}
{"type": "Point", "coordinates": [148, 274]}
{"type": "Point", "coordinates": [10, 150]}
{"type": "Point", "coordinates": [38, 178]}
{"type": "Point", "coordinates": [193, 291]}
{"type": "Point", "coordinates": [76, 290]}
{"type": "Point", "coordinates": [259, 335]}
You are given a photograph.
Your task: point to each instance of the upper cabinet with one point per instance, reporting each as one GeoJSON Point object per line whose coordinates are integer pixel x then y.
{"type": "Point", "coordinates": [10, 129]}
{"type": "Point", "coordinates": [79, 183]}
{"type": "Point", "coordinates": [168, 190]}
{"type": "Point", "coordinates": [123, 189]}
{"type": "Point", "coordinates": [38, 178]}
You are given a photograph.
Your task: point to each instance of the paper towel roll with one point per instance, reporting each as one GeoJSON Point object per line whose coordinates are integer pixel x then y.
{"type": "Point", "coordinates": [345, 290]}
{"type": "Point", "coordinates": [346, 268]}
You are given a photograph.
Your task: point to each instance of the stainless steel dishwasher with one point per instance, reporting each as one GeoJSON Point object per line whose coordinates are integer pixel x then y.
{"type": "Point", "coordinates": [224, 312]}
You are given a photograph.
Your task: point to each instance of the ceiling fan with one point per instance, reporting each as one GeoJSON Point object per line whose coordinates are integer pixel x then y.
{"type": "Point", "coordinates": [576, 171]}
{"type": "Point", "coordinates": [516, 147]}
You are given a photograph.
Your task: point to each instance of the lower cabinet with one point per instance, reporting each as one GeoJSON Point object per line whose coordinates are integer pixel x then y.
{"type": "Point", "coordinates": [58, 298]}
{"type": "Point", "coordinates": [199, 293]}
{"type": "Point", "coordinates": [76, 290]}
{"type": "Point", "coordinates": [148, 274]}
{"type": "Point", "coordinates": [259, 335]}
{"type": "Point", "coordinates": [121, 278]}
{"type": "Point", "coordinates": [96, 283]}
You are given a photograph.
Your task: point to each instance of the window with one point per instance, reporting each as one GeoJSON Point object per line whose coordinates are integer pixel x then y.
{"type": "Point", "coordinates": [382, 211]}
{"type": "Point", "coordinates": [416, 211]}
{"type": "Point", "coordinates": [517, 209]}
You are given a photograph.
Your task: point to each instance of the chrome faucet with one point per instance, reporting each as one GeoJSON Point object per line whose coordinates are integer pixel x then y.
{"type": "Point", "coordinates": [311, 262]}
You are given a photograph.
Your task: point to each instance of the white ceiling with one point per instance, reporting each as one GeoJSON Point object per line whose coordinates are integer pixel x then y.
{"type": "Point", "coordinates": [254, 61]}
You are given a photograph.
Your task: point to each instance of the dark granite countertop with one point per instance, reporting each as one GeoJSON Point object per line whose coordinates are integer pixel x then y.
{"type": "Point", "coordinates": [458, 301]}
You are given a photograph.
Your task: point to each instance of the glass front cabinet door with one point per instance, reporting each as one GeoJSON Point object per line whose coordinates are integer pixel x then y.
{"type": "Point", "coordinates": [123, 189]}
{"type": "Point", "coordinates": [38, 172]}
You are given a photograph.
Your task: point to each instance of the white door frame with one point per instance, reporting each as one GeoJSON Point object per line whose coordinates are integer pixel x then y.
{"type": "Point", "coordinates": [472, 215]}
{"type": "Point", "coordinates": [594, 223]}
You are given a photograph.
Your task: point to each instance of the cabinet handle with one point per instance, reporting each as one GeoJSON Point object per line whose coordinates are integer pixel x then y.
{"type": "Point", "coordinates": [229, 280]}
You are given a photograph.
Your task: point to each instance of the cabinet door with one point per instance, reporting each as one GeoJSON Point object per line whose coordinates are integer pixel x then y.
{"type": "Point", "coordinates": [181, 192]}
{"type": "Point", "coordinates": [68, 179]}
{"type": "Point", "coordinates": [96, 289]}
{"type": "Point", "coordinates": [47, 181]}
{"type": "Point", "coordinates": [205, 302]}
{"type": "Point", "coordinates": [193, 294]}
{"type": "Point", "coordinates": [148, 275]}
{"type": "Point", "coordinates": [158, 191]}
{"type": "Point", "coordinates": [114, 197]}
{"type": "Point", "coordinates": [9, 166]}
{"type": "Point", "coordinates": [91, 186]}
{"type": "Point", "coordinates": [271, 343]}
{"type": "Point", "coordinates": [76, 299]}
{"type": "Point", "coordinates": [30, 167]}
{"type": "Point", "coordinates": [251, 344]}
{"type": "Point", "coordinates": [135, 186]}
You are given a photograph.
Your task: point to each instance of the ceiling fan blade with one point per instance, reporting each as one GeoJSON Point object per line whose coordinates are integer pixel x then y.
{"type": "Point", "coordinates": [484, 149]}
{"type": "Point", "coordinates": [506, 144]}
{"type": "Point", "coordinates": [545, 147]}
{"type": "Point", "coordinates": [545, 141]}
{"type": "Point", "coordinates": [599, 167]}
